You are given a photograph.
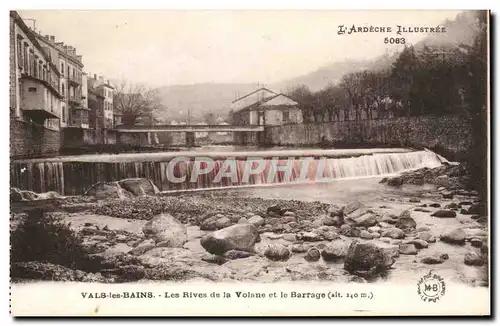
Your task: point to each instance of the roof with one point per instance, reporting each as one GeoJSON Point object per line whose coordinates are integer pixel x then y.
{"type": "Point", "coordinates": [270, 101]}
{"type": "Point", "coordinates": [257, 90]}
{"type": "Point", "coordinates": [31, 35]}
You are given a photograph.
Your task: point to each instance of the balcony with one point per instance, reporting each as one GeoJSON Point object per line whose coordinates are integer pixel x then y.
{"type": "Point", "coordinates": [74, 100]}
{"type": "Point", "coordinates": [52, 86]}
{"type": "Point", "coordinates": [75, 80]}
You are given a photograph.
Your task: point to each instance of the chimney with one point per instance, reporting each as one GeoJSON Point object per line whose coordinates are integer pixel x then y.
{"type": "Point", "coordinates": [52, 38]}
{"type": "Point", "coordinates": [101, 78]}
{"type": "Point", "coordinates": [79, 57]}
{"type": "Point", "coordinates": [47, 37]}
{"type": "Point", "coordinates": [95, 76]}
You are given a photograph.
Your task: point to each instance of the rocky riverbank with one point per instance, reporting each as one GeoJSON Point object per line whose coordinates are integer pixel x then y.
{"type": "Point", "coordinates": [218, 237]}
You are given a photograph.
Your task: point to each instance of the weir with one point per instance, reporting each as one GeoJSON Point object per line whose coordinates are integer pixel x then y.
{"type": "Point", "coordinates": [182, 172]}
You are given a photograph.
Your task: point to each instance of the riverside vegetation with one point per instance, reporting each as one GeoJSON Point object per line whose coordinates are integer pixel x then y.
{"type": "Point", "coordinates": [126, 232]}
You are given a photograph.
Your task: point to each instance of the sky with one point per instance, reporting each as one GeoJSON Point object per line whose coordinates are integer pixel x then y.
{"type": "Point", "coordinates": [161, 48]}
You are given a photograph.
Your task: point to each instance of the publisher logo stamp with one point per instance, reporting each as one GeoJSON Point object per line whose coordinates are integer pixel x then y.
{"type": "Point", "coordinates": [431, 287]}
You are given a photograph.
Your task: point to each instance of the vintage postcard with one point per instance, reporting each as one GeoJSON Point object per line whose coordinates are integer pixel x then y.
{"type": "Point", "coordinates": [249, 163]}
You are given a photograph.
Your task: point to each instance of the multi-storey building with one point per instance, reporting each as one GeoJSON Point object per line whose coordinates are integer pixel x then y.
{"type": "Point", "coordinates": [71, 83]}
{"type": "Point", "coordinates": [100, 104]}
{"type": "Point", "coordinates": [34, 79]}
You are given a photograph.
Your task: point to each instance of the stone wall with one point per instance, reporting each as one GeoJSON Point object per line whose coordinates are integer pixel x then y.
{"type": "Point", "coordinates": [451, 134]}
{"type": "Point", "coordinates": [32, 140]}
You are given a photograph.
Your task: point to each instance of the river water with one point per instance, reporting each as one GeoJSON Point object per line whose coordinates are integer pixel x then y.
{"type": "Point", "coordinates": [219, 167]}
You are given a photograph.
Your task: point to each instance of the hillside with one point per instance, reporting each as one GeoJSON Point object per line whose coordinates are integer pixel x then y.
{"type": "Point", "coordinates": [216, 97]}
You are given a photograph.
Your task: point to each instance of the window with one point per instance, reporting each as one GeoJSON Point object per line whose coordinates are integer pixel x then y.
{"type": "Point", "coordinates": [40, 70]}
{"type": "Point", "coordinates": [63, 111]}
{"type": "Point", "coordinates": [286, 116]}
{"type": "Point", "coordinates": [19, 52]}
{"type": "Point", "coordinates": [32, 89]}
{"type": "Point", "coordinates": [62, 67]}
{"type": "Point", "coordinates": [26, 57]}
{"type": "Point", "coordinates": [62, 89]}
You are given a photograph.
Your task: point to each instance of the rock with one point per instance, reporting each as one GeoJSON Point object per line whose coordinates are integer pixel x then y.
{"type": "Point", "coordinates": [464, 211]}
{"type": "Point", "coordinates": [349, 231]}
{"type": "Point", "coordinates": [389, 218]}
{"type": "Point", "coordinates": [389, 249]}
{"type": "Point", "coordinates": [407, 249]}
{"type": "Point", "coordinates": [419, 243]}
{"type": "Point", "coordinates": [365, 235]}
{"type": "Point", "coordinates": [414, 200]}
{"type": "Point", "coordinates": [367, 219]}
{"type": "Point", "coordinates": [447, 194]}
{"type": "Point", "coordinates": [309, 237]}
{"type": "Point", "coordinates": [385, 239]}
{"type": "Point", "coordinates": [393, 233]}
{"type": "Point", "coordinates": [333, 221]}
{"type": "Point", "coordinates": [374, 229]}
{"type": "Point", "coordinates": [465, 203]}
{"type": "Point", "coordinates": [406, 222]}
{"type": "Point", "coordinates": [475, 242]}
{"type": "Point", "coordinates": [444, 213]}
{"type": "Point", "coordinates": [313, 254]}
{"type": "Point", "coordinates": [395, 182]}
{"type": "Point", "coordinates": [435, 205]}
{"type": "Point", "coordinates": [478, 209]}
{"type": "Point", "coordinates": [366, 260]}
{"type": "Point", "coordinates": [239, 236]}
{"type": "Point", "coordinates": [456, 236]}
{"type": "Point", "coordinates": [375, 235]}
{"type": "Point", "coordinates": [299, 248]}
{"type": "Point", "coordinates": [441, 188]}
{"type": "Point", "coordinates": [256, 220]}
{"type": "Point", "coordinates": [165, 228]}
{"type": "Point", "coordinates": [335, 211]}
{"type": "Point", "coordinates": [143, 247]}
{"type": "Point", "coordinates": [288, 219]}
{"type": "Point", "coordinates": [16, 195]}
{"type": "Point", "coordinates": [277, 252]}
{"type": "Point", "coordinates": [289, 213]}
{"type": "Point", "coordinates": [334, 251]}
{"type": "Point", "coordinates": [293, 225]}
{"type": "Point", "coordinates": [385, 225]}
{"type": "Point", "coordinates": [99, 238]}
{"type": "Point", "coordinates": [274, 210]}
{"type": "Point", "coordinates": [108, 190]}
{"type": "Point", "coordinates": [427, 237]}
{"type": "Point", "coordinates": [139, 186]}
{"type": "Point", "coordinates": [451, 206]}
{"type": "Point", "coordinates": [473, 259]}
{"type": "Point", "coordinates": [423, 228]}
{"type": "Point", "coordinates": [433, 260]}
{"type": "Point", "coordinates": [130, 273]}
{"type": "Point", "coordinates": [352, 207]}
{"type": "Point", "coordinates": [243, 220]}
{"type": "Point", "coordinates": [236, 254]}
{"type": "Point", "coordinates": [422, 205]}
{"type": "Point", "coordinates": [289, 237]}
{"type": "Point", "coordinates": [419, 209]}
{"type": "Point", "coordinates": [214, 259]}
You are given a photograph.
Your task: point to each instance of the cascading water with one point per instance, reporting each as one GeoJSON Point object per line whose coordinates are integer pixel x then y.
{"type": "Point", "coordinates": [73, 178]}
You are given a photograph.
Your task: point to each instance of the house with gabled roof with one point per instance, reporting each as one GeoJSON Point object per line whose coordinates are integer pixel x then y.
{"type": "Point", "coordinates": [265, 107]}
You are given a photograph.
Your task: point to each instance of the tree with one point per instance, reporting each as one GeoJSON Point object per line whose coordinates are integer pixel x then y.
{"type": "Point", "coordinates": [303, 95]}
{"type": "Point", "coordinates": [210, 118]}
{"type": "Point", "coordinates": [137, 103]}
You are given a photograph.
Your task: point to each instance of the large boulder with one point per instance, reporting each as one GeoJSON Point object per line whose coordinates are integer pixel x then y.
{"type": "Point", "coordinates": [394, 233]}
{"type": "Point", "coordinates": [366, 219]}
{"type": "Point", "coordinates": [139, 186]}
{"type": "Point", "coordinates": [456, 236]}
{"type": "Point", "coordinates": [215, 223]}
{"type": "Point", "coordinates": [166, 229]}
{"type": "Point", "coordinates": [312, 254]}
{"type": "Point", "coordinates": [443, 213]}
{"type": "Point", "coordinates": [405, 221]}
{"type": "Point", "coordinates": [277, 252]}
{"type": "Point", "coordinates": [366, 260]}
{"type": "Point", "coordinates": [239, 236]}
{"type": "Point", "coordinates": [143, 247]}
{"type": "Point", "coordinates": [256, 220]}
{"type": "Point", "coordinates": [108, 190]}
{"type": "Point", "coordinates": [472, 258]}
{"type": "Point", "coordinates": [334, 251]}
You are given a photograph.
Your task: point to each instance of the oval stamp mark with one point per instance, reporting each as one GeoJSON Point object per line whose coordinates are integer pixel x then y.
{"type": "Point", "coordinates": [431, 287]}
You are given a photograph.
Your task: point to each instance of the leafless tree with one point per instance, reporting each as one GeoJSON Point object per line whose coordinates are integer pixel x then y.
{"type": "Point", "coordinates": [137, 103]}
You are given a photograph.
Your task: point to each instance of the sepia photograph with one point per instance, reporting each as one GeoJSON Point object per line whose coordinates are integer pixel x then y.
{"type": "Point", "coordinates": [249, 162]}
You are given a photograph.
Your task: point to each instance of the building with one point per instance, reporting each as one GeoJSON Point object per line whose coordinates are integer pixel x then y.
{"type": "Point", "coordinates": [265, 107]}
{"type": "Point", "coordinates": [103, 92]}
{"type": "Point", "coordinates": [74, 112]}
{"type": "Point", "coordinates": [35, 95]}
